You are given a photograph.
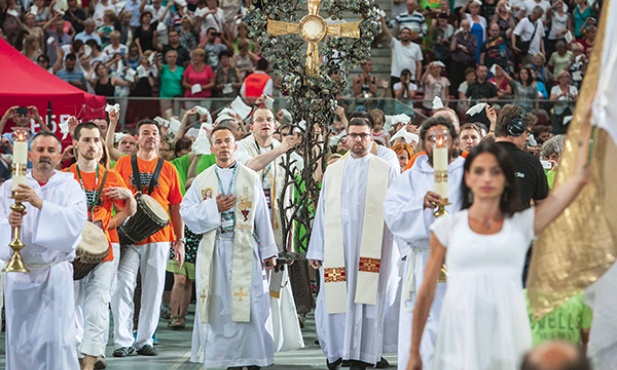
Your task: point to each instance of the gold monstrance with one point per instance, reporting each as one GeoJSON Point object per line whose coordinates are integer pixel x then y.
{"type": "Point", "coordinates": [313, 29]}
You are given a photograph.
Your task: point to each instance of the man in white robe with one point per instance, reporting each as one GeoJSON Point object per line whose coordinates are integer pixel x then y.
{"type": "Point", "coordinates": [40, 308]}
{"type": "Point", "coordinates": [264, 154]}
{"type": "Point", "coordinates": [351, 300]}
{"type": "Point", "coordinates": [235, 318]}
{"type": "Point", "coordinates": [408, 210]}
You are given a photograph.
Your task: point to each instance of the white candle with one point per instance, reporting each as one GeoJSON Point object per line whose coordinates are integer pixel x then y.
{"type": "Point", "coordinates": [20, 160]}
{"type": "Point", "coordinates": [440, 166]}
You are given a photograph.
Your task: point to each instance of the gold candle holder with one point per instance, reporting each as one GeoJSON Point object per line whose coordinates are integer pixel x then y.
{"type": "Point", "coordinates": [16, 263]}
{"type": "Point", "coordinates": [441, 211]}
{"type": "Point", "coordinates": [20, 137]}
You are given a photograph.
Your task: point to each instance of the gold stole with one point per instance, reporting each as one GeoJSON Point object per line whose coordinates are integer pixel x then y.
{"type": "Point", "coordinates": [335, 276]}
{"type": "Point", "coordinates": [242, 259]}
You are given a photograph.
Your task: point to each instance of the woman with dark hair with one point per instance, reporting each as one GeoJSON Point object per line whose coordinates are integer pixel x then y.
{"type": "Point", "coordinates": [103, 84]}
{"type": "Point", "coordinates": [524, 89]}
{"type": "Point", "coordinates": [484, 322]}
{"type": "Point", "coordinates": [146, 33]}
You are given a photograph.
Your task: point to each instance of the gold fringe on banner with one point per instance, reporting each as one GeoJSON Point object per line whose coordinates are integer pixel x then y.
{"type": "Point", "coordinates": [580, 245]}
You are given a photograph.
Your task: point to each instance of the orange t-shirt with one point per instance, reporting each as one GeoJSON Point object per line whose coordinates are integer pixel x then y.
{"type": "Point", "coordinates": [166, 192]}
{"type": "Point", "coordinates": [412, 160]}
{"type": "Point", "coordinates": [102, 211]}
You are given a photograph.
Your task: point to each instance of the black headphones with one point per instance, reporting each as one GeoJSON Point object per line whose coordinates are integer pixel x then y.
{"type": "Point", "coordinates": [517, 126]}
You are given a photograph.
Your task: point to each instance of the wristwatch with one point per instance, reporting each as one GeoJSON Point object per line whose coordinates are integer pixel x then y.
{"type": "Point", "coordinates": [183, 240]}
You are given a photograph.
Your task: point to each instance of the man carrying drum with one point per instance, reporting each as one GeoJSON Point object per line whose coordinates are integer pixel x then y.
{"type": "Point", "coordinates": [104, 189]}
{"type": "Point", "coordinates": [39, 306]}
{"type": "Point", "coordinates": [145, 174]}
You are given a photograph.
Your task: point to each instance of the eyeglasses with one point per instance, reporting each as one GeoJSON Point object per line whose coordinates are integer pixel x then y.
{"type": "Point", "coordinates": [362, 136]}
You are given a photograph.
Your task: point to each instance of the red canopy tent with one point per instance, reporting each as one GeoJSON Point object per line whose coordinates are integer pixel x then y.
{"type": "Point", "coordinates": [24, 83]}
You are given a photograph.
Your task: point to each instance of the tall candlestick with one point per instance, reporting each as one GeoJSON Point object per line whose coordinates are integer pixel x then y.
{"type": "Point", "coordinates": [20, 157]}
{"type": "Point", "coordinates": [440, 166]}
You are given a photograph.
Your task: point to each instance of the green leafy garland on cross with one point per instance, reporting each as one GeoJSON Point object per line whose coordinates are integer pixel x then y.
{"type": "Point", "coordinates": [310, 93]}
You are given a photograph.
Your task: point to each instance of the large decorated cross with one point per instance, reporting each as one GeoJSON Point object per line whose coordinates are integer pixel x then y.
{"type": "Point", "coordinates": [332, 46]}
{"type": "Point", "coordinates": [313, 29]}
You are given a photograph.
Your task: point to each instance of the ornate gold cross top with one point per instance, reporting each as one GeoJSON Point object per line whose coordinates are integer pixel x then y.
{"type": "Point", "coordinates": [313, 29]}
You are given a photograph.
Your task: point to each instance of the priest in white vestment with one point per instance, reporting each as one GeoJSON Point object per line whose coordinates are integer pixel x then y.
{"type": "Point", "coordinates": [39, 305]}
{"type": "Point", "coordinates": [351, 246]}
{"type": "Point", "coordinates": [227, 205]}
{"type": "Point", "coordinates": [408, 210]}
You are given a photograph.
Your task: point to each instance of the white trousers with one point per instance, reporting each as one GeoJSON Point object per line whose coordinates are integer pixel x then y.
{"type": "Point", "coordinates": [151, 260]}
{"type": "Point", "coordinates": [112, 289]}
{"type": "Point", "coordinates": [92, 309]}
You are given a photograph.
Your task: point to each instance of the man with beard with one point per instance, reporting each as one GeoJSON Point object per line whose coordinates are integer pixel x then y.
{"type": "Point", "coordinates": [159, 179]}
{"type": "Point", "coordinates": [408, 211]}
{"type": "Point", "coordinates": [39, 305]}
{"type": "Point", "coordinates": [104, 189]}
{"type": "Point", "coordinates": [351, 242]}
{"type": "Point", "coordinates": [233, 317]}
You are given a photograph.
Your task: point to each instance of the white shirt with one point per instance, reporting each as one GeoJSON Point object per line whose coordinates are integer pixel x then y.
{"type": "Point", "coordinates": [404, 57]}
{"type": "Point", "coordinates": [525, 28]}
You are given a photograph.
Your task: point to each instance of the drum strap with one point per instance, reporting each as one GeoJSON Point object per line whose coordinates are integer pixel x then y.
{"type": "Point", "coordinates": [154, 180]}
{"type": "Point", "coordinates": [99, 191]}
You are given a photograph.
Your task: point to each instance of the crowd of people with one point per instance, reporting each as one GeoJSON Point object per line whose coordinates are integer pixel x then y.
{"type": "Point", "coordinates": [530, 52]}
{"type": "Point", "coordinates": [220, 184]}
{"type": "Point", "coordinates": [376, 249]}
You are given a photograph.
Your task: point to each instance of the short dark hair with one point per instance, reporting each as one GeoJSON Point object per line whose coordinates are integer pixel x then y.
{"type": "Point", "coordinates": [363, 115]}
{"type": "Point", "coordinates": [71, 56]}
{"type": "Point", "coordinates": [262, 65]}
{"type": "Point", "coordinates": [184, 143]}
{"type": "Point", "coordinates": [506, 115]}
{"type": "Point", "coordinates": [224, 53]}
{"type": "Point", "coordinates": [510, 198]}
{"type": "Point", "coordinates": [147, 122]}
{"type": "Point", "coordinates": [85, 126]}
{"type": "Point", "coordinates": [44, 57]}
{"type": "Point", "coordinates": [221, 127]}
{"type": "Point", "coordinates": [357, 121]}
{"type": "Point", "coordinates": [437, 121]}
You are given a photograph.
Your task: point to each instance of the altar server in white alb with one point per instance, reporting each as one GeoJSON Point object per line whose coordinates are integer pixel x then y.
{"type": "Point", "coordinates": [226, 203]}
{"type": "Point", "coordinates": [408, 209]}
{"type": "Point", "coordinates": [40, 308]}
{"type": "Point", "coordinates": [351, 246]}
{"type": "Point", "coordinates": [264, 154]}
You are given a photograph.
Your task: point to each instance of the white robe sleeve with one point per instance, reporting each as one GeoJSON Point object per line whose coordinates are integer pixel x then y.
{"type": "Point", "coordinates": [316, 246]}
{"type": "Point", "coordinates": [242, 155]}
{"type": "Point", "coordinates": [5, 228]}
{"type": "Point", "coordinates": [263, 226]}
{"type": "Point", "coordinates": [403, 209]}
{"type": "Point", "coordinates": [68, 221]}
{"type": "Point", "coordinates": [200, 216]}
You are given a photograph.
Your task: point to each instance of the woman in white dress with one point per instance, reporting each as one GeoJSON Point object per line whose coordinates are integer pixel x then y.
{"type": "Point", "coordinates": [484, 323]}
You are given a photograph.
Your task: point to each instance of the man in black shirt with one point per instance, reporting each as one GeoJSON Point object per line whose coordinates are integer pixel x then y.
{"type": "Point", "coordinates": [75, 15]}
{"type": "Point", "coordinates": [481, 90]}
{"type": "Point", "coordinates": [511, 132]}
{"type": "Point", "coordinates": [184, 57]}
